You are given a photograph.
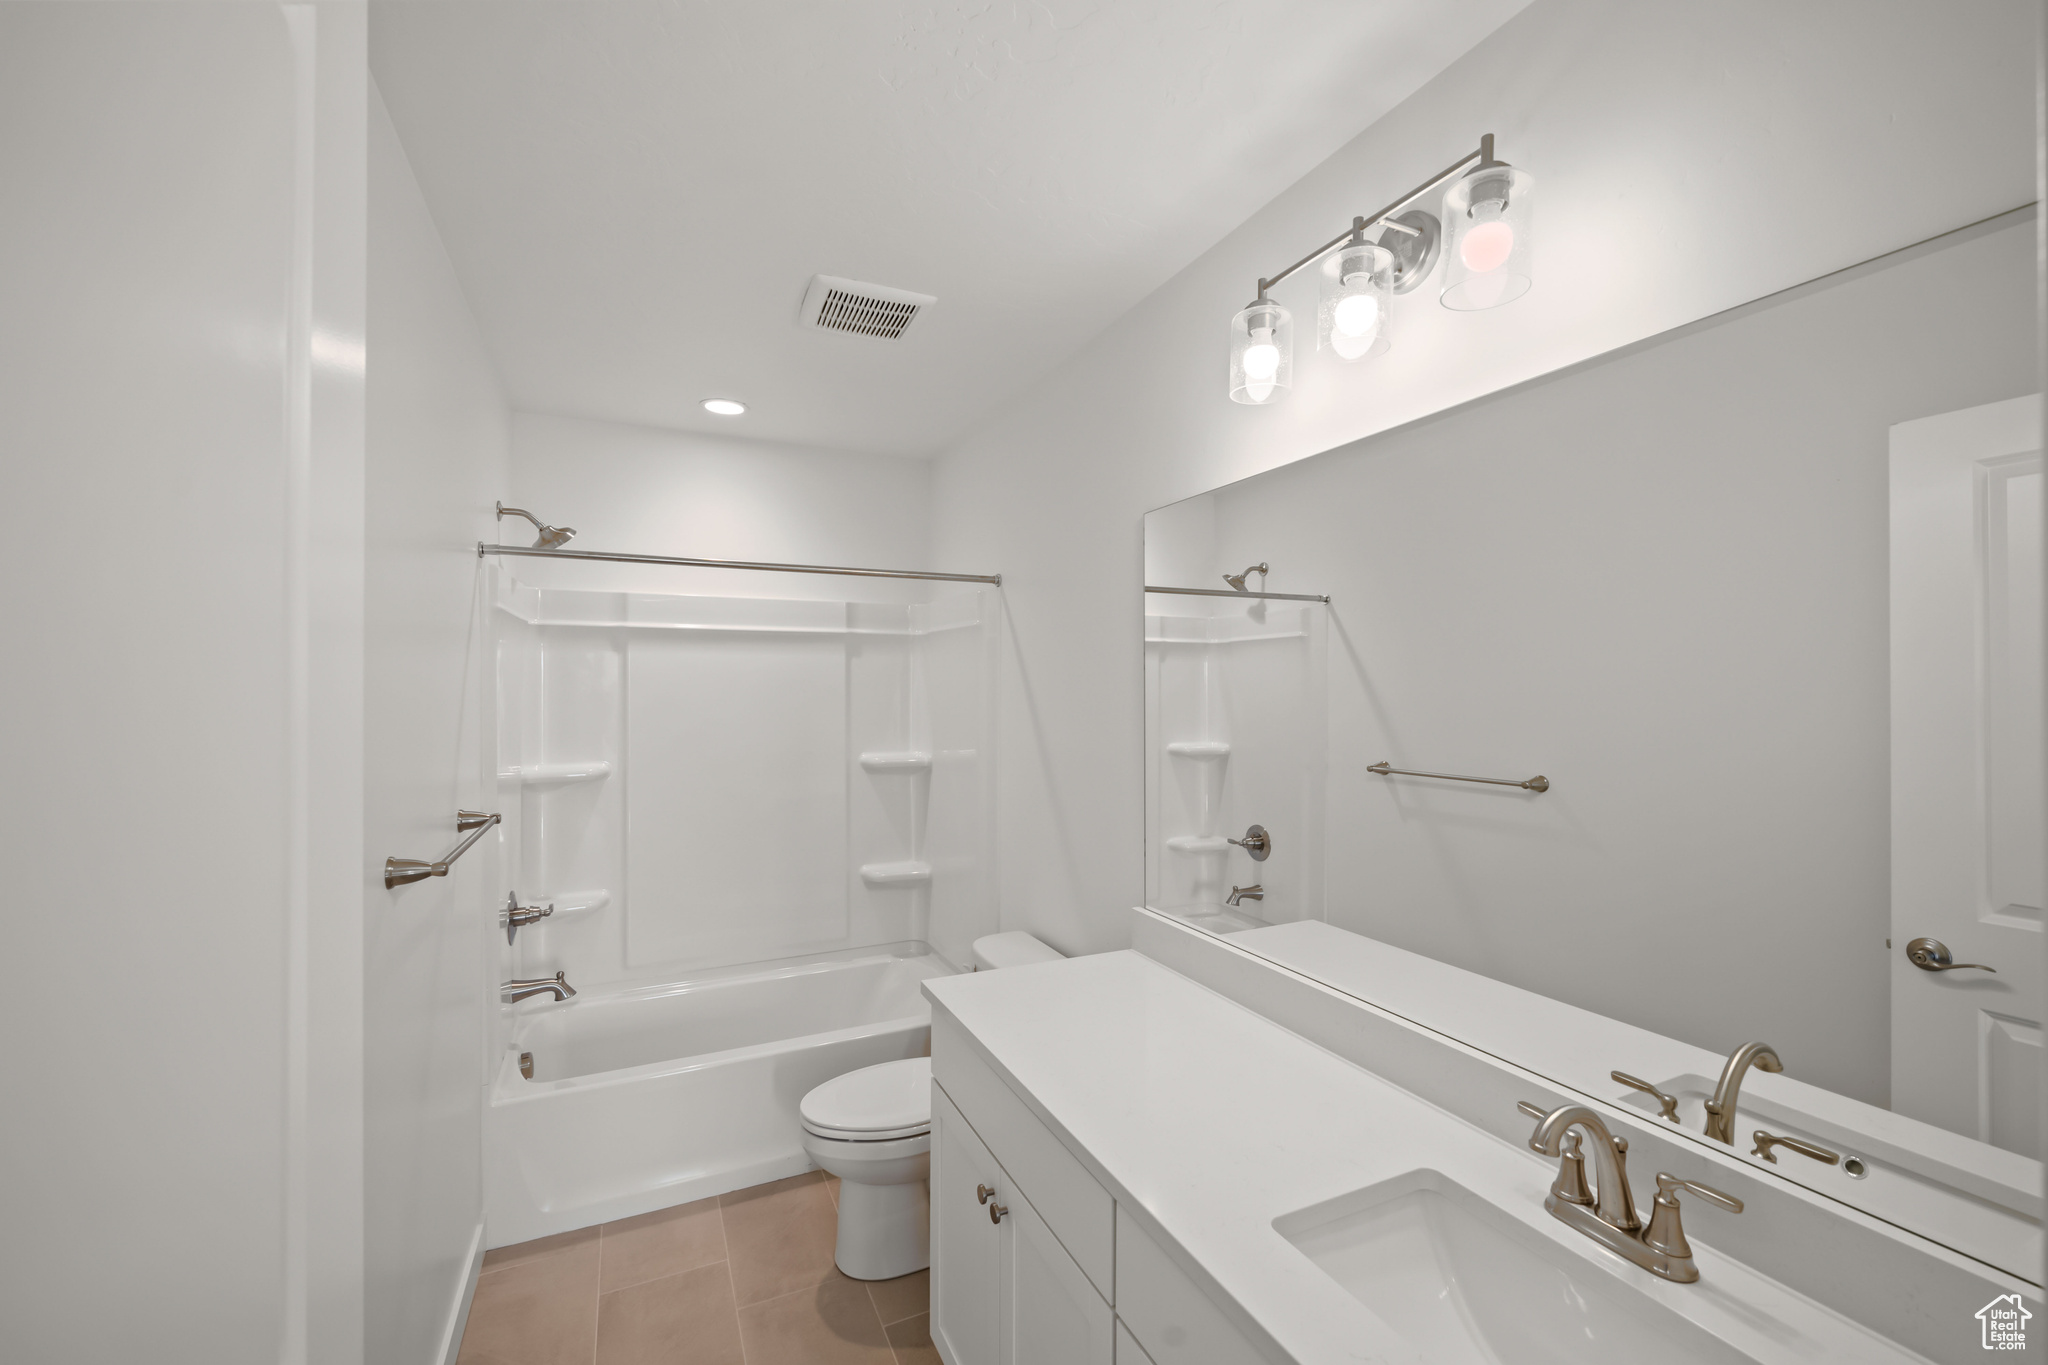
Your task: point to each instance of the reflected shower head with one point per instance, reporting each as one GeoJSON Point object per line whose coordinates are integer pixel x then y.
{"type": "Point", "coordinates": [1236, 580]}
{"type": "Point", "coordinates": [551, 537]}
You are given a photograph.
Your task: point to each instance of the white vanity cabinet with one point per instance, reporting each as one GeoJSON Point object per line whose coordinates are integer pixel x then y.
{"type": "Point", "coordinates": [1005, 1291]}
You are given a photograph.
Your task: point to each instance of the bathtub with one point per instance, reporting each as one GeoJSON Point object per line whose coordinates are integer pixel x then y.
{"type": "Point", "coordinates": [649, 1096]}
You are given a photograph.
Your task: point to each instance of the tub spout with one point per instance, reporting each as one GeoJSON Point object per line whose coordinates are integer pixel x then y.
{"type": "Point", "coordinates": [557, 985]}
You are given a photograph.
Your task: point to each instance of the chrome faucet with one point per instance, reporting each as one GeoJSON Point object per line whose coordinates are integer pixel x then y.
{"type": "Point", "coordinates": [1721, 1108]}
{"type": "Point", "coordinates": [1607, 1213]}
{"type": "Point", "coordinates": [1240, 894]}
{"type": "Point", "coordinates": [558, 984]}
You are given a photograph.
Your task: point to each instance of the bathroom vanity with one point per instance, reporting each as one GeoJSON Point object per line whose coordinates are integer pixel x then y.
{"type": "Point", "coordinates": [1192, 1156]}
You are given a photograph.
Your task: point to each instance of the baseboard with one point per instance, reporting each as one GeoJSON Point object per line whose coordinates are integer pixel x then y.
{"type": "Point", "coordinates": [458, 1311]}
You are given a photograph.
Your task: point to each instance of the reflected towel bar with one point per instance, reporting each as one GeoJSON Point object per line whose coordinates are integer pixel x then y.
{"type": "Point", "coordinates": [536, 553]}
{"type": "Point", "coordinates": [1538, 783]}
{"type": "Point", "coordinates": [399, 871]}
{"type": "Point", "coordinates": [1232, 592]}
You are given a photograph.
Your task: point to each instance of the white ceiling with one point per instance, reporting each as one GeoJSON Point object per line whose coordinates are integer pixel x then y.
{"type": "Point", "coordinates": [637, 194]}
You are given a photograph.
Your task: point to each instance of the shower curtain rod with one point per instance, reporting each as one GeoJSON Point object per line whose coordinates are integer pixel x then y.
{"type": "Point", "coordinates": [1234, 592]}
{"type": "Point", "coordinates": [537, 553]}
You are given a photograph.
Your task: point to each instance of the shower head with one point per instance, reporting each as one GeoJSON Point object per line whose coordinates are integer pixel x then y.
{"type": "Point", "coordinates": [551, 537]}
{"type": "Point", "coordinates": [1236, 580]}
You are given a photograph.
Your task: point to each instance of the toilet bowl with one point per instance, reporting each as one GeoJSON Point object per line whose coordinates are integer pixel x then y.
{"type": "Point", "coordinates": [873, 1129]}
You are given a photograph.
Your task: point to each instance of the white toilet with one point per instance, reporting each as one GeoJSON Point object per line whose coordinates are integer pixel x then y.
{"type": "Point", "coordinates": [873, 1129]}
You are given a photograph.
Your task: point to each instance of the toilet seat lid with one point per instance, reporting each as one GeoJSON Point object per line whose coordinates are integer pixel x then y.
{"type": "Point", "coordinates": [877, 1102]}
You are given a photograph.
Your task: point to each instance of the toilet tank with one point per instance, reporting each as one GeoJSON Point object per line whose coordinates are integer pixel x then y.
{"type": "Point", "coordinates": [1013, 949]}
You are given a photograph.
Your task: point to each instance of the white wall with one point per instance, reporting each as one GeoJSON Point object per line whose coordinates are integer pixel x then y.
{"type": "Point", "coordinates": [1688, 159]}
{"type": "Point", "coordinates": [180, 406]}
{"type": "Point", "coordinates": [438, 445]}
{"type": "Point", "coordinates": [643, 490]}
{"type": "Point", "coordinates": [1667, 589]}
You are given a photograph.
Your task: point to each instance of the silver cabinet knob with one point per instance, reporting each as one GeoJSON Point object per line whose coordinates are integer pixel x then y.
{"type": "Point", "coordinates": [984, 1193]}
{"type": "Point", "coordinates": [1932, 955]}
{"type": "Point", "coordinates": [996, 1212]}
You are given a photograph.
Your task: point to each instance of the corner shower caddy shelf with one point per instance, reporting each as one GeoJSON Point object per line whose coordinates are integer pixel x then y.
{"type": "Point", "coordinates": [557, 774]}
{"type": "Point", "coordinates": [1199, 748]}
{"type": "Point", "coordinates": [905, 762]}
{"type": "Point", "coordinates": [896, 874]}
{"type": "Point", "coordinates": [571, 904]}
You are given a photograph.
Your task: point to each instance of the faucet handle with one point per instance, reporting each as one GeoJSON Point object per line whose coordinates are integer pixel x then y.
{"type": "Point", "coordinates": [1668, 1103]}
{"type": "Point", "coordinates": [1669, 1185]}
{"type": "Point", "coordinates": [1666, 1233]}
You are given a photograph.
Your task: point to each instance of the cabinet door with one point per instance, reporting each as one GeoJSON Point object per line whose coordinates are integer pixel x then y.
{"type": "Point", "coordinates": [967, 1250]}
{"type": "Point", "coordinates": [1051, 1312]}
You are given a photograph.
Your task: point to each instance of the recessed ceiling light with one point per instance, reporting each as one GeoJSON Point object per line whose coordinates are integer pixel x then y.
{"type": "Point", "coordinates": [724, 407]}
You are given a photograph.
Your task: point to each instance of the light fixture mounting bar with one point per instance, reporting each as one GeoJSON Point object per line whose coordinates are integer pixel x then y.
{"type": "Point", "coordinates": [1483, 155]}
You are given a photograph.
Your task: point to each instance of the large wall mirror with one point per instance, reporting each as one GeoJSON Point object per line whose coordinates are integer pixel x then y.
{"type": "Point", "coordinates": [1761, 602]}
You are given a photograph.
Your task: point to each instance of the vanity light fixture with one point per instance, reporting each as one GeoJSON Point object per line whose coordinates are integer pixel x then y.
{"type": "Point", "coordinates": [724, 407]}
{"type": "Point", "coordinates": [1485, 231]}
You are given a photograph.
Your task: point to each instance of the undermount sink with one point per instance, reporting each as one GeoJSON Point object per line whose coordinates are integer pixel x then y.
{"type": "Point", "coordinates": [1467, 1284]}
{"type": "Point", "coordinates": [1954, 1205]}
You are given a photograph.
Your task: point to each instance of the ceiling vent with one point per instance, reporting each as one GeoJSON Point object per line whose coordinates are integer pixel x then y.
{"type": "Point", "coordinates": [868, 310]}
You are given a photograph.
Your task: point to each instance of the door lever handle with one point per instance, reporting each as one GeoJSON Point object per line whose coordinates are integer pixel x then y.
{"type": "Point", "coordinates": [1932, 955]}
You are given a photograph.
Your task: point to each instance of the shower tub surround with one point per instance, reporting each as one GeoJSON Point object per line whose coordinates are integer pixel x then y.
{"type": "Point", "coordinates": [760, 822]}
{"type": "Point", "coordinates": [648, 1096]}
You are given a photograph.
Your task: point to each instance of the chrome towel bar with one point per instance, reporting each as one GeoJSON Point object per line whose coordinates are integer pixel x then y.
{"type": "Point", "coordinates": [1538, 783]}
{"type": "Point", "coordinates": [399, 871]}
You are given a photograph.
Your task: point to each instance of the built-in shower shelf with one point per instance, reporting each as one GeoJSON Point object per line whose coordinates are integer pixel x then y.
{"type": "Point", "coordinates": [1198, 843]}
{"type": "Point", "coordinates": [906, 761]}
{"type": "Point", "coordinates": [572, 904]}
{"type": "Point", "coordinates": [1199, 748]}
{"type": "Point", "coordinates": [896, 874]}
{"type": "Point", "coordinates": [557, 774]}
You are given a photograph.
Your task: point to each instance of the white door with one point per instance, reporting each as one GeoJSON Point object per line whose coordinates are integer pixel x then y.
{"type": "Point", "coordinates": [1051, 1312]}
{"type": "Point", "coordinates": [1968, 810]}
{"type": "Point", "coordinates": [967, 1249]}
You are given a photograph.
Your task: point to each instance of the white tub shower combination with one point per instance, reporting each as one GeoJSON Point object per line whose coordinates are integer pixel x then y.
{"type": "Point", "coordinates": [762, 822]}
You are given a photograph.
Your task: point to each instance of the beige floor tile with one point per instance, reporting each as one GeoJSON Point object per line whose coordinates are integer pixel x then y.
{"type": "Point", "coordinates": [686, 1319]}
{"type": "Point", "coordinates": [911, 1339]}
{"type": "Point", "coordinates": [778, 1237]}
{"type": "Point", "coordinates": [655, 1245]}
{"type": "Point", "coordinates": [538, 1311]}
{"type": "Point", "coordinates": [543, 1246]}
{"type": "Point", "coordinates": [830, 1323]}
{"type": "Point", "coordinates": [903, 1298]}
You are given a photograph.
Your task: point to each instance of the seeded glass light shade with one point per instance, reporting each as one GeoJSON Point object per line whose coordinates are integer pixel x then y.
{"type": "Point", "coordinates": [1261, 353]}
{"type": "Point", "coordinates": [1488, 223]}
{"type": "Point", "coordinates": [1351, 317]}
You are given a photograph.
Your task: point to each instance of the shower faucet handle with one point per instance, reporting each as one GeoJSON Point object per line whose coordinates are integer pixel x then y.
{"type": "Point", "coordinates": [1256, 842]}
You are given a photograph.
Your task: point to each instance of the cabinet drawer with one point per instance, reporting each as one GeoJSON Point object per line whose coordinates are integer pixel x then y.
{"type": "Point", "coordinates": [1079, 1212]}
{"type": "Point", "coordinates": [1168, 1313]}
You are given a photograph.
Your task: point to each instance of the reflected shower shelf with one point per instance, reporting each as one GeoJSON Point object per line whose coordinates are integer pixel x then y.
{"type": "Point", "coordinates": [1198, 843]}
{"type": "Point", "coordinates": [557, 774]}
{"type": "Point", "coordinates": [896, 874]}
{"type": "Point", "coordinates": [908, 761]}
{"type": "Point", "coordinates": [1199, 748]}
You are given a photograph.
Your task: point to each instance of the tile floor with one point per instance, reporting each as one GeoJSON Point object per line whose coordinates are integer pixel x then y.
{"type": "Point", "coordinates": [743, 1279]}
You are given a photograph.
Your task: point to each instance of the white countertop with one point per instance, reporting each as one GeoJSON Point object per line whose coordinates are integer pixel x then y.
{"type": "Point", "coordinates": [1207, 1121]}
